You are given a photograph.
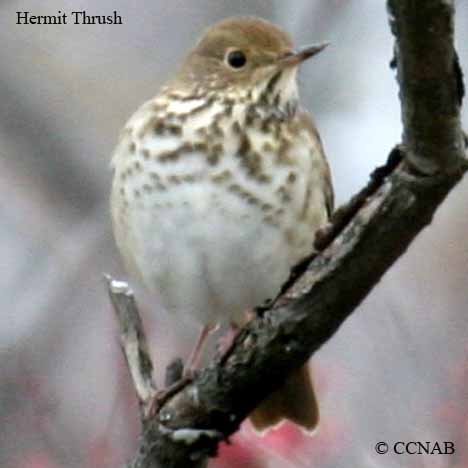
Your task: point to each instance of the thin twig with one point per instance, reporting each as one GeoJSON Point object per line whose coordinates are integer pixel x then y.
{"type": "Point", "coordinates": [133, 342]}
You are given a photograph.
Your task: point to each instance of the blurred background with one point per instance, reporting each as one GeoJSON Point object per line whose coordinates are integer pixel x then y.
{"type": "Point", "coordinates": [396, 370]}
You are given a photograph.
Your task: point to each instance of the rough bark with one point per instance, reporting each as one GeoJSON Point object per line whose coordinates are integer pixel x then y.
{"type": "Point", "coordinates": [365, 238]}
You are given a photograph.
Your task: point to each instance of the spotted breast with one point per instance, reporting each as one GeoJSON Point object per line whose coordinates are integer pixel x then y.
{"type": "Point", "coordinates": [214, 201]}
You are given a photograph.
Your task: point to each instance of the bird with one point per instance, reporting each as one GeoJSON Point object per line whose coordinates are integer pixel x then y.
{"type": "Point", "coordinates": [219, 184]}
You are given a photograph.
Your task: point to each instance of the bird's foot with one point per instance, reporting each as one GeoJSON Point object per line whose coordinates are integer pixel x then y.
{"type": "Point", "coordinates": [226, 342]}
{"type": "Point", "coordinates": [162, 396]}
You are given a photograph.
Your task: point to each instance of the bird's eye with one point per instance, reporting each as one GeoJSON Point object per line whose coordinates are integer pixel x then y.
{"type": "Point", "coordinates": [236, 59]}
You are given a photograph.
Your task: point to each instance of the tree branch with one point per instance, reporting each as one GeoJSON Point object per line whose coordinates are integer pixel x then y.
{"type": "Point", "coordinates": [431, 85]}
{"type": "Point", "coordinates": [364, 239]}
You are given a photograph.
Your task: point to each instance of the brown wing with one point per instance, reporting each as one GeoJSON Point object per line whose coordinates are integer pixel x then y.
{"type": "Point", "coordinates": [307, 121]}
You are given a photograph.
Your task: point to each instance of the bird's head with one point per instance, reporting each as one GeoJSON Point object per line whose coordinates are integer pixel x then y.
{"type": "Point", "coordinates": [244, 56]}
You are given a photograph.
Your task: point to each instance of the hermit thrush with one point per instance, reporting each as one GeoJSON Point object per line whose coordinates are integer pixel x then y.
{"type": "Point", "coordinates": [220, 182]}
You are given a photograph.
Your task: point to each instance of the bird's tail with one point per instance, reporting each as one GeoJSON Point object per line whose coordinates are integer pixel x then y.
{"type": "Point", "coordinates": [294, 401]}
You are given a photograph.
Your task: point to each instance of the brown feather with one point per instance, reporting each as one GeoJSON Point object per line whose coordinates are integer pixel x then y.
{"type": "Point", "coordinates": [294, 401]}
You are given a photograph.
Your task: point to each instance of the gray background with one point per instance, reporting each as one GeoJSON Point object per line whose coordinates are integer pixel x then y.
{"type": "Point", "coordinates": [397, 369]}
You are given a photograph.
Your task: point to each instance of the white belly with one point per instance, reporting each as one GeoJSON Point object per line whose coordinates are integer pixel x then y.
{"type": "Point", "coordinates": [208, 253]}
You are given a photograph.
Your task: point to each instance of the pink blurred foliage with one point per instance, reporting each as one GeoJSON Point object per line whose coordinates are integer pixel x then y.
{"type": "Point", "coordinates": [331, 439]}
{"type": "Point", "coordinates": [102, 453]}
{"type": "Point", "coordinates": [238, 452]}
{"type": "Point", "coordinates": [453, 411]}
{"type": "Point", "coordinates": [35, 416]}
{"type": "Point", "coordinates": [332, 435]}
{"type": "Point", "coordinates": [290, 442]}
{"type": "Point", "coordinates": [284, 439]}
{"type": "Point", "coordinates": [110, 448]}
{"type": "Point", "coordinates": [36, 460]}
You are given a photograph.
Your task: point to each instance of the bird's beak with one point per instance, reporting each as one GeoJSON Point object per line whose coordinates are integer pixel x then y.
{"type": "Point", "coordinates": [295, 58]}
